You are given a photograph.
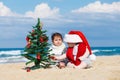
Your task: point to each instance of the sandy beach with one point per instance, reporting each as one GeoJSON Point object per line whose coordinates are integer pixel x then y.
{"type": "Point", "coordinates": [104, 68]}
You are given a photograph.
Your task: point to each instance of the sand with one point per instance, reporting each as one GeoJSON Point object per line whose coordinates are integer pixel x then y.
{"type": "Point", "coordinates": [104, 68]}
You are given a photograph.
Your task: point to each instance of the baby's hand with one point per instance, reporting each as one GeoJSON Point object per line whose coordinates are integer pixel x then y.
{"type": "Point", "coordinates": [53, 57]}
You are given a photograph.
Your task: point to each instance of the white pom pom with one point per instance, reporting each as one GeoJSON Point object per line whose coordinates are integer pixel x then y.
{"type": "Point", "coordinates": [92, 57]}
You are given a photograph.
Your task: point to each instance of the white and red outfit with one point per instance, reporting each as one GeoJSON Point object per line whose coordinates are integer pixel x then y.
{"type": "Point", "coordinates": [76, 54]}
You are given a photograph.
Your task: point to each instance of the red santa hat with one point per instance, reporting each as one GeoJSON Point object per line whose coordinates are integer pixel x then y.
{"type": "Point", "coordinates": [75, 37]}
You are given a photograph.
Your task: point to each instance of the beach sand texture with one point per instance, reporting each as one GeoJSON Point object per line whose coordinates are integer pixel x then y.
{"type": "Point", "coordinates": [104, 68]}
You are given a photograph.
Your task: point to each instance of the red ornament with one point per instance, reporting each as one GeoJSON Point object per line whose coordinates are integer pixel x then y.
{"type": "Point", "coordinates": [41, 39]}
{"type": "Point", "coordinates": [38, 56]}
{"type": "Point", "coordinates": [33, 30]}
{"type": "Point", "coordinates": [27, 38]}
{"type": "Point", "coordinates": [32, 33]}
{"type": "Point", "coordinates": [28, 69]}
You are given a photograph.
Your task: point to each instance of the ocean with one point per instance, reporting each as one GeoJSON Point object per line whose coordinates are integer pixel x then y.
{"type": "Point", "coordinates": [13, 55]}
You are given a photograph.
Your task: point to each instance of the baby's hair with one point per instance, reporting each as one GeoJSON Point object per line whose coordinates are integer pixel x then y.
{"type": "Point", "coordinates": [56, 34]}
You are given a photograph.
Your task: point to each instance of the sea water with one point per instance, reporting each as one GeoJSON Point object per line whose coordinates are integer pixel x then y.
{"type": "Point", "coordinates": [13, 55]}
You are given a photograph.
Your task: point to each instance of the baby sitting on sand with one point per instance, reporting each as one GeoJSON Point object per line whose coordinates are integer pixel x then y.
{"type": "Point", "coordinates": [57, 48]}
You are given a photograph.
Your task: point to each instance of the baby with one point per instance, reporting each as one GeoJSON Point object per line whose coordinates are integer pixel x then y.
{"type": "Point", "coordinates": [57, 47]}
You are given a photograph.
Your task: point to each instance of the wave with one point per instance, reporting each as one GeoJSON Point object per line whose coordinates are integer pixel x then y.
{"type": "Point", "coordinates": [12, 59]}
{"type": "Point", "coordinates": [106, 51]}
{"type": "Point", "coordinates": [14, 55]}
{"type": "Point", "coordinates": [95, 51]}
{"type": "Point", "coordinates": [12, 52]}
{"type": "Point", "coordinates": [11, 56]}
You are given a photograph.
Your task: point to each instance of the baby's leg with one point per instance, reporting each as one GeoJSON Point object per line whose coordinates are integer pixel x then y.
{"type": "Point", "coordinates": [70, 65]}
{"type": "Point", "coordinates": [61, 65]}
{"type": "Point", "coordinates": [82, 65]}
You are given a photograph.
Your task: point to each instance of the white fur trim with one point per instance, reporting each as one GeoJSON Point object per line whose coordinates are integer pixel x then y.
{"type": "Point", "coordinates": [72, 38]}
{"type": "Point", "coordinates": [75, 51]}
{"type": "Point", "coordinates": [92, 57]}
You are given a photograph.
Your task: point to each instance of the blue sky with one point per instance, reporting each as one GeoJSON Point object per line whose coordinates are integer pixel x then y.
{"type": "Point", "coordinates": [99, 20]}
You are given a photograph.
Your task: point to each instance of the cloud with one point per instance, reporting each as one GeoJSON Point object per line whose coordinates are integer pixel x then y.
{"type": "Point", "coordinates": [96, 14]}
{"type": "Point", "coordinates": [43, 11]}
{"type": "Point", "coordinates": [5, 11]}
{"type": "Point", "coordinates": [98, 7]}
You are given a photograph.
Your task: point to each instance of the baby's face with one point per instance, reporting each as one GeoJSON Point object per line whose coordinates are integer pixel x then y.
{"type": "Point", "coordinates": [57, 41]}
{"type": "Point", "coordinates": [71, 44]}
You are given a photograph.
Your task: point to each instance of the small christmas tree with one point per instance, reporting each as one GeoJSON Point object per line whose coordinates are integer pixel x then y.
{"type": "Point", "coordinates": [37, 48]}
